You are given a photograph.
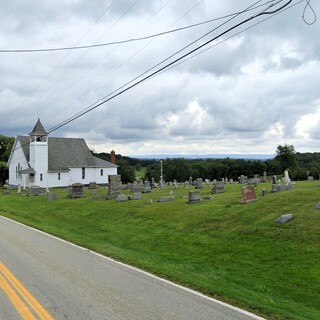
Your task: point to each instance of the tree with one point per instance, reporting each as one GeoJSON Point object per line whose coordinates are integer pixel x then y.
{"type": "Point", "coordinates": [6, 144]}
{"type": "Point", "coordinates": [286, 155]}
{"type": "Point", "coordinates": [127, 172]}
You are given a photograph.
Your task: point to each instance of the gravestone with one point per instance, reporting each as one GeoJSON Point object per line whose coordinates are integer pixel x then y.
{"type": "Point", "coordinates": [122, 197]}
{"type": "Point", "coordinates": [146, 187]}
{"type": "Point", "coordinates": [218, 187]}
{"type": "Point", "coordinates": [114, 186]}
{"type": "Point", "coordinates": [136, 186]}
{"type": "Point", "coordinates": [52, 196]}
{"type": "Point", "coordinates": [186, 185]}
{"type": "Point", "coordinates": [274, 188]}
{"type": "Point", "coordinates": [19, 188]}
{"type": "Point", "coordinates": [317, 205]}
{"type": "Point", "coordinates": [92, 185]}
{"type": "Point", "coordinates": [194, 197]}
{"type": "Point", "coordinates": [310, 178]}
{"type": "Point", "coordinates": [190, 180]}
{"type": "Point", "coordinates": [166, 199]}
{"type": "Point", "coordinates": [76, 191]}
{"type": "Point", "coordinates": [198, 183]}
{"type": "Point", "coordinates": [248, 194]}
{"type": "Point", "coordinates": [264, 179]}
{"type": "Point", "coordinates": [35, 191]}
{"type": "Point", "coordinates": [274, 180]}
{"type": "Point", "coordinates": [282, 187]}
{"type": "Point", "coordinates": [152, 183]}
{"type": "Point", "coordinates": [286, 177]}
{"type": "Point", "coordinates": [137, 196]}
{"type": "Point", "coordinates": [264, 192]}
{"type": "Point", "coordinates": [284, 218]}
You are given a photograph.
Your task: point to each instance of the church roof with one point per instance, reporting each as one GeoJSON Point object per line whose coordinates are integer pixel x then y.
{"type": "Point", "coordinates": [65, 153]}
{"type": "Point", "coordinates": [38, 130]}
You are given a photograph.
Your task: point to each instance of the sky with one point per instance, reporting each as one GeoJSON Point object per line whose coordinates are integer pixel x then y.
{"type": "Point", "coordinates": [243, 91]}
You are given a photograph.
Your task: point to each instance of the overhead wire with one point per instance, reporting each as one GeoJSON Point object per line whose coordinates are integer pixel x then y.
{"type": "Point", "coordinates": [177, 52]}
{"type": "Point", "coordinates": [263, 12]}
{"type": "Point", "coordinates": [94, 106]}
{"type": "Point", "coordinates": [58, 95]}
{"type": "Point", "coordinates": [128, 59]}
{"type": "Point", "coordinates": [313, 12]}
{"type": "Point", "coordinates": [83, 55]}
{"type": "Point", "coordinates": [234, 35]}
{"type": "Point", "coordinates": [98, 45]}
{"type": "Point", "coordinates": [62, 59]}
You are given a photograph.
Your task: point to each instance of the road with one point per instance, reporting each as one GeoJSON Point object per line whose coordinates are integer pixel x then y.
{"type": "Point", "coordinates": [70, 282]}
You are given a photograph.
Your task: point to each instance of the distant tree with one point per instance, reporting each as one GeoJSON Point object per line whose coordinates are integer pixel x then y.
{"type": "Point", "coordinates": [6, 144]}
{"type": "Point", "coordinates": [126, 171]}
{"type": "Point", "coordinates": [4, 172]}
{"type": "Point", "coordinates": [286, 155]}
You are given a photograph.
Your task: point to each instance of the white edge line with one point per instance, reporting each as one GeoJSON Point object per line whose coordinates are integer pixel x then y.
{"type": "Point", "coordinates": [224, 304]}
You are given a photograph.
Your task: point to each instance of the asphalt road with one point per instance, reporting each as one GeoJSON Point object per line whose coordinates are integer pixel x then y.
{"type": "Point", "coordinates": [71, 282]}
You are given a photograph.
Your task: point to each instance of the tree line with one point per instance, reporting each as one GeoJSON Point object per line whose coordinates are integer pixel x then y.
{"type": "Point", "coordinates": [300, 165]}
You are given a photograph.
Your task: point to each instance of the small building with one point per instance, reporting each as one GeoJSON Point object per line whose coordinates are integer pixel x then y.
{"type": "Point", "coordinates": [45, 161]}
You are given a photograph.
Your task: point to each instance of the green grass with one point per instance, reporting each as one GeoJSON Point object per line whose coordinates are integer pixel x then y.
{"type": "Point", "coordinates": [140, 173]}
{"type": "Point", "coordinates": [233, 252]}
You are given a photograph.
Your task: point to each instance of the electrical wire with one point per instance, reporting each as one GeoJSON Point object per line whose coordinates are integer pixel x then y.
{"type": "Point", "coordinates": [61, 60]}
{"type": "Point", "coordinates": [234, 35]}
{"type": "Point", "coordinates": [313, 12]}
{"type": "Point", "coordinates": [98, 45]}
{"type": "Point", "coordinates": [168, 58]}
{"type": "Point", "coordinates": [264, 12]}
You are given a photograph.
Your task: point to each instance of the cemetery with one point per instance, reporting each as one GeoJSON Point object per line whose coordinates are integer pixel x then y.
{"type": "Point", "coordinates": [243, 243]}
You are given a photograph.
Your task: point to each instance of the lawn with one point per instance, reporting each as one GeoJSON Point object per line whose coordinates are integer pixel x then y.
{"type": "Point", "coordinates": [233, 252]}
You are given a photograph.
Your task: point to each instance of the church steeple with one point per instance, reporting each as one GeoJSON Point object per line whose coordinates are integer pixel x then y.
{"type": "Point", "coordinates": [38, 129]}
{"type": "Point", "coordinates": [38, 133]}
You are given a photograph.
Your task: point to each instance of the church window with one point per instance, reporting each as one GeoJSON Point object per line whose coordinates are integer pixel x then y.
{"type": "Point", "coordinates": [40, 176]}
{"type": "Point", "coordinates": [101, 172]}
{"type": "Point", "coordinates": [83, 173]}
{"type": "Point", "coordinates": [59, 176]}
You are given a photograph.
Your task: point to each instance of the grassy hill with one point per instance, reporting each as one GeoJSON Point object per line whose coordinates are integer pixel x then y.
{"type": "Point", "coordinates": [233, 252]}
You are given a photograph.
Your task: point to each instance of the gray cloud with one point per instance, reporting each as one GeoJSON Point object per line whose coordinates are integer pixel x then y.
{"type": "Point", "coordinates": [247, 94]}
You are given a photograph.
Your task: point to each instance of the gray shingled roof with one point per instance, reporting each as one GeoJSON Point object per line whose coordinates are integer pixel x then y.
{"type": "Point", "coordinates": [25, 142]}
{"type": "Point", "coordinates": [38, 130]}
{"type": "Point", "coordinates": [65, 153]}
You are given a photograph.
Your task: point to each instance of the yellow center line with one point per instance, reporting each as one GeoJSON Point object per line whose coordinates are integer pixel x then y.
{"type": "Point", "coordinates": [23, 292]}
{"type": "Point", "coordinates": [15, 300]}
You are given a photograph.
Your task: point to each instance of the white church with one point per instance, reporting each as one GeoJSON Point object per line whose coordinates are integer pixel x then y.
{"type": "Point", "coordinates": [54, 162]}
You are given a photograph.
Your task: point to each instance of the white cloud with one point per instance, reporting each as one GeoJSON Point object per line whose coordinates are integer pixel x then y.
{"type": "Point", "coordinates": [245, 95]}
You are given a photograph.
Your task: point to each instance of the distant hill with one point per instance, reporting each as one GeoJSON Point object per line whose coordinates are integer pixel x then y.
{"type": "Point", "coordinates": [206, 156]}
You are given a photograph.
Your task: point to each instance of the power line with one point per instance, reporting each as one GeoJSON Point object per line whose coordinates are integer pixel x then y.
{"type": "Point", "coordinates": [172, 55]}
{"type": "Point", "coordinates": [264, 12]}
{"type": "Point", "coordinates": [64, 57]}
{"type": "Point", "coordinates": [255, 6]}
{"type": "Point", "coordinates": [98, 45]}
{"type": "Point", "coordinates": [226, 39]}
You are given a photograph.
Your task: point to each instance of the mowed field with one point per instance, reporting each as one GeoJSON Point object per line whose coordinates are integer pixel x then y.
{"type": "Point", "coordinates": [227, 250]}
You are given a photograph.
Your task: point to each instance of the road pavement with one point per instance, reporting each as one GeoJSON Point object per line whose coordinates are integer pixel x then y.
{"type": "Point", "coordinates": [71, 282]}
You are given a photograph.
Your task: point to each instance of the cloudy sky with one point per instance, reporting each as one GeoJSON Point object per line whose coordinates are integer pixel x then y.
{"type": "Point", "coordinates": [246, 92]}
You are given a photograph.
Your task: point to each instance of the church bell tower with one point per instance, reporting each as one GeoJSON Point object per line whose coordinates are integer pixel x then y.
{"type": "Point", "coordinates": [38, 157]}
